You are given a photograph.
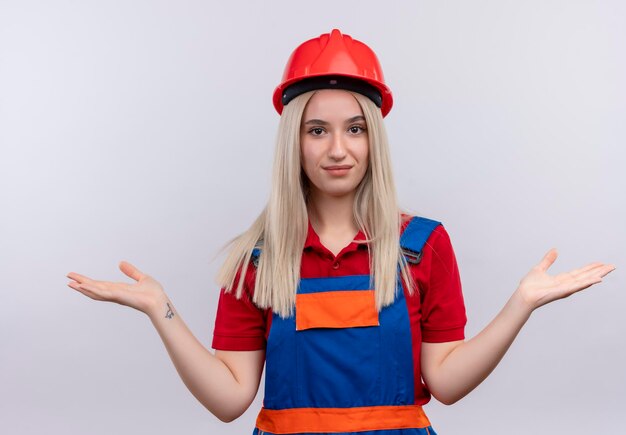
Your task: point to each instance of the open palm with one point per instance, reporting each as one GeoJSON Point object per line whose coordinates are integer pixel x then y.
{"type": "Point", "coordinates": [139, 295]}
{"type": "Point", "coordinates": [538, 288]}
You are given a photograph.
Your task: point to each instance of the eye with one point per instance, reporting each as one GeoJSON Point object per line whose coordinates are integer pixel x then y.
{"type": "Point", "coordinates": [316, 131]}
{"type": "Point", "coordinates": [356, 129]}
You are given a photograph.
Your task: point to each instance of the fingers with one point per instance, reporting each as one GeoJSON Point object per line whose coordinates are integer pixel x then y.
{"type": "Point", "coordinates": [604, 270]}
{"type": "Point", "coordinates": [131, 270]}
{"type": "Point", "coordinates": [124, 266]}
{"type": "Point", "coordinates": [598, 270]}
{"type": "Point", "coordinates": [609, 268]}
{"type": "Point", "coordinates": [78, 277]}
{"type": "Point", "coordinates": [586, 268]}
{"type": "Point", "coordinates": [98, 290]}
{"type": "Point", "coordinates": [591, 274]}
{"type": "Point", "coordinates": [86, 290]}
{"type": "Point", "coordinates": [104, 290]}
{"type": "Point", "coordinates": [547, 260]}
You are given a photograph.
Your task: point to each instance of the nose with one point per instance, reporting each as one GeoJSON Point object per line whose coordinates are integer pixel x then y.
{"type": "Point", "coordinates": [337, 149]}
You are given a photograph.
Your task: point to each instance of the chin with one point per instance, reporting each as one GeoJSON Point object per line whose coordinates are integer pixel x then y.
{"type": "Point", "coordinates": [338, 193]}
{"type": "Point", "coordinates": [335, 189]}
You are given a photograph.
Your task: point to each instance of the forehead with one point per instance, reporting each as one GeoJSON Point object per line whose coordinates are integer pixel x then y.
{"type": "Point", "coordinates": [332, 103]}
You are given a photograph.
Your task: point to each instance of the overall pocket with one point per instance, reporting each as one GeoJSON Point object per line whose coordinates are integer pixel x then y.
{"type": "Point", "coordinates": [338, 347]}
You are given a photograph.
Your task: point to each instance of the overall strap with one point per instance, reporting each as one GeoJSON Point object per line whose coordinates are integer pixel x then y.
{"type": "Point", "coordinates": [414, 237]}
{"type": "Point", "coordinates": [256, 252]}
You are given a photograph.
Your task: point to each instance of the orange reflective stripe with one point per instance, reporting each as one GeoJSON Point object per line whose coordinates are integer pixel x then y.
{"type": "Point", "coordinates": [336, 309]}
{"type": "Point", "coordinates": [296, 420]}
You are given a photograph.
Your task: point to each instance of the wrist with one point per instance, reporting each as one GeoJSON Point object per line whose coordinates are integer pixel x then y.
{"type": "Point", "coordinates": [158, 306]}
{"type": "Point", "coordinates": [521, 304]}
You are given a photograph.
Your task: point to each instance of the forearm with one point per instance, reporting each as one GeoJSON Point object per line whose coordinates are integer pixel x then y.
{"type": "Point", "coordinates": [468, 364]}
{"type": "Point", "coordinates": [207, 377]}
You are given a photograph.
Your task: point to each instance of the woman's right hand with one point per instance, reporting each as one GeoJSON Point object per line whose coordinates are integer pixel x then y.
{"type": "Point", "coordinates": [143, 295]}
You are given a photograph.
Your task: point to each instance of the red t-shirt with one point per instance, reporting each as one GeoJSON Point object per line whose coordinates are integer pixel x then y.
{"type": "Point", "coordinates": [436, 313]}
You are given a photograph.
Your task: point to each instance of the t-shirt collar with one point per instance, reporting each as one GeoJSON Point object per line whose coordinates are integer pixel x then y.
{"type": "Point", "coordinates": [313, 240]}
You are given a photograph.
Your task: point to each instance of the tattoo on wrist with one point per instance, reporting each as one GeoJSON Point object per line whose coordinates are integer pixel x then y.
{"type": "Point", "coordinates": [169, 313]}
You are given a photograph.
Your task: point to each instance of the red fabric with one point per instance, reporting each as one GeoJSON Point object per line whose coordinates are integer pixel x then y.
{"type": "Point", "coordinates": [239, 324]}
{"type": "Point", "coordinates": [436, 313]}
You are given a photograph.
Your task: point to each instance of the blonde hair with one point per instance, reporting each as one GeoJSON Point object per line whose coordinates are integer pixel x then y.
{"type": "Point", "coordinates": [281, 228]}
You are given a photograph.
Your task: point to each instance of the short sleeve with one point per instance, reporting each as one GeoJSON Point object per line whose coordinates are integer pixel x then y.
{"type": "Point", "coordinates": [239, 323]}
{"type": "Point", "coordinates": [443, 308]}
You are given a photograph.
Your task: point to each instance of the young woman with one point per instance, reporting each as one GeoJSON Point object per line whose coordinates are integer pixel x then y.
{"type": "Point", "coordinates": [354, 307]}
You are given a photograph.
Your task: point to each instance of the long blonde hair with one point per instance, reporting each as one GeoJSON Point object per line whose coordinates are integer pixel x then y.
{"type": "Point", "coordinates": [281, 228]}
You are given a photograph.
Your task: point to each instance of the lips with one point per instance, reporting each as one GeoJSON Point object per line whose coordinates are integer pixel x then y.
{"type": "Point", "coordinates": [338, 170]}
{"type": "Point", "coordinates": [332, 168]}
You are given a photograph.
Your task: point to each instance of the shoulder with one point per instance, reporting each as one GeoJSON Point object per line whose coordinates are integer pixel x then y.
{"type": "Point", "coordinates": [427, 236]}
{"type": "Point", "coordinates": [249, 280]}
{"type": "Point", "coordinates": [413, 226]}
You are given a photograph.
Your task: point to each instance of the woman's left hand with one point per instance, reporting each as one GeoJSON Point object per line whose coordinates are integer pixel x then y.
{"type": "Point", "coordinates": [538, 288]}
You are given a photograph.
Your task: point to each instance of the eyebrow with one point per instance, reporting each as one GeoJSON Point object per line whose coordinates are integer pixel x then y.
{"type": "Point", "coordinates": [322, 122]}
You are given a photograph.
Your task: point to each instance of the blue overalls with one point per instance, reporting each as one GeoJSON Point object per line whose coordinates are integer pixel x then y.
{"type": "Point", "coordinates": [337, 366]}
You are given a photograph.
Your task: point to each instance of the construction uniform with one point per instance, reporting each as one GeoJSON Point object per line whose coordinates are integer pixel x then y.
{"type": "Point", "coordinates": [337, 366]}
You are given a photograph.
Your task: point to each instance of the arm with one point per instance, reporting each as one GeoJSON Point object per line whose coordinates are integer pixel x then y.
{"type": "Point", "coordinates": [451, 370]}
{"type": "Point", "coordinates": [225, 382]}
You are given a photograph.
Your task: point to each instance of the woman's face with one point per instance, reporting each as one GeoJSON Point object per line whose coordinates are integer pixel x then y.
{"type": "Point", "coordinates": [334, 143]}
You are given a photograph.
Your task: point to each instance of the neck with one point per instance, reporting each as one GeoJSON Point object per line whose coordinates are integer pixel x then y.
{"type": "Point", "coordinates": [330, 212]}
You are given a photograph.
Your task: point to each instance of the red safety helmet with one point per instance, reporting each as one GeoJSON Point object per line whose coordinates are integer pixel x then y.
{"type": "Point", "coordinates": [332, 61]}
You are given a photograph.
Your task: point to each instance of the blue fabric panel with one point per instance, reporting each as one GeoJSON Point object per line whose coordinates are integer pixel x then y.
{"type": "Point", "coordinates": [340, 367]}
{"type": "Point", "coordinates": [349, 282]}
{"type": "Point", "coordinates": [417, 232]}
{"type": "Point", "coordinates": [397, 353]}
{"type": "Point", "coordinates": [281, 381]}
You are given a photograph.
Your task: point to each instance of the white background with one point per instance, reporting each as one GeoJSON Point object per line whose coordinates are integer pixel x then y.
{"type": "Point", "coordinates": [144, 131]}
